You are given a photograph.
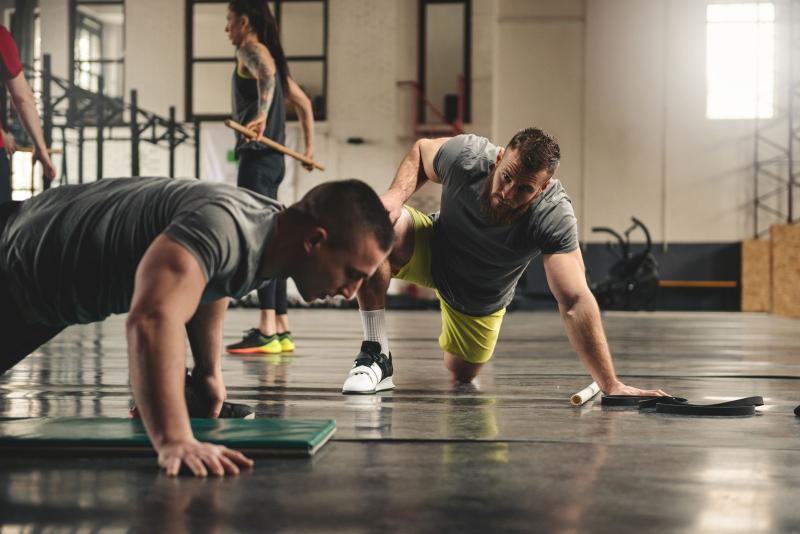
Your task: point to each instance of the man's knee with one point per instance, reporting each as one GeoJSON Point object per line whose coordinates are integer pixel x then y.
{"type": "Point", "coordinates": [460, 369]}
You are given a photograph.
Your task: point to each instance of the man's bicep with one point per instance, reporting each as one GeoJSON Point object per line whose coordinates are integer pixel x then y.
{"type": "Point", "coordinates": [428, 149]}
{"type": "Point", "coordinates": [566, 275]}
{"type": "Point", "coordinates": [18, 88]}
{"type": "Point", "coordinates": [169, 280]}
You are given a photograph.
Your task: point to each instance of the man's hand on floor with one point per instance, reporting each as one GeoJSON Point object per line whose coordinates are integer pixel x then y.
{"type": "Point", "coordinates": [621, 389]}
{"type": "Point", "coordinates": [201, 458]}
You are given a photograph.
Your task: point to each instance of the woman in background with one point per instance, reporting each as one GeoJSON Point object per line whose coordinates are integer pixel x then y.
{"type": "Point", "coordinates": [261, 83]}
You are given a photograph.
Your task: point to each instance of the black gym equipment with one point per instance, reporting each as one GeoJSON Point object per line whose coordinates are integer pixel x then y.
{"type": "Point", "coordinates": [680, 406]}
{"type": "Point", "coordinates": [632, 281]}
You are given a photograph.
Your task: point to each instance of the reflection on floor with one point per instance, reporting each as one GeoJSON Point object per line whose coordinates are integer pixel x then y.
{"type": "Point", "coordinates": [509, 454]}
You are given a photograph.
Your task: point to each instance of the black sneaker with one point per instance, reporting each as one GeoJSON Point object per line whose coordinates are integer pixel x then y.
{"type": "Point", "coordinates": [254, 342]}
{"type": "Point", "coordinates": [199, 406]}
{"type": "Point", "coordinates": [371, 372]}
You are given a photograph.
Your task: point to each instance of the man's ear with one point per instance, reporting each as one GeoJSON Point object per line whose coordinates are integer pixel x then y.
{"type": "Point", "coordinates": [244, 20]}
{"type": "Point", "coordinates": [500, 154]}
{"type": "Point", "coordinates": [315, 237]}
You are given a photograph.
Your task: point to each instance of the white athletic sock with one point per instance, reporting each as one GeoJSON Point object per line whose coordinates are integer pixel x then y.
{"type": "Point", "coordinates": [374, 323]}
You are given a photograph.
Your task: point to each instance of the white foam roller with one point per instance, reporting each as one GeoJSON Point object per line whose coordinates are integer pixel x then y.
{"type": "Point", "coordinates": [583, 396]}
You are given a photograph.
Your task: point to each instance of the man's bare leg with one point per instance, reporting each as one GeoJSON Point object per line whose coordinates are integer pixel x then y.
{"type": "Point", "coordinates": [372, 370]}
{"type": "Point", "coordinates": [372, 294]}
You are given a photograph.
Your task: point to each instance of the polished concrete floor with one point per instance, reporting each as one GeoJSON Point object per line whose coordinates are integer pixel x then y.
{"type": "Point", "coordinates": [509, 455]}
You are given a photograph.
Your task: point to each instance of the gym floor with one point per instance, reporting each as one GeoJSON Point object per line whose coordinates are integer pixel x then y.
{"type": "Point", "coordinates": [508, 455]}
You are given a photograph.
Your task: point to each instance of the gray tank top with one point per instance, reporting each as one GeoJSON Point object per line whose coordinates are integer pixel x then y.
{"type": "Point", "coordinates": [244, 93]}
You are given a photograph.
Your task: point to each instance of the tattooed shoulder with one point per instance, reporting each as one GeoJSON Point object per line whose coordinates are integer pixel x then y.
{"type": "Point", "coordinates": [254, 57]}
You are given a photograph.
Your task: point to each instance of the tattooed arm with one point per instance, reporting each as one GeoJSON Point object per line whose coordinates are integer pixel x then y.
{"type": "Point", "coordinates": [255, 58]}
{"type": "Point", "coordinates": [302, 104]}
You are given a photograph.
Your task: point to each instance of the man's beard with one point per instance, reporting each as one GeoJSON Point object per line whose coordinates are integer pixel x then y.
{"type": "Point", "coordinates": [501, 215]}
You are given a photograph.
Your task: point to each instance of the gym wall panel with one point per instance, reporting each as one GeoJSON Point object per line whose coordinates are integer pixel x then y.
{"type": "Point", "coordinates": [679, 261]}
{"type": "Point", "coordinates": [363, 95]}
{"type": "Point", "coordinates": [55, 34]}
{"type": "Point", "coordinates": [624, 113]}
{"type": "Point", "coordinates": [538, 81]}
{"type": "Point", "coordinates": [541, 8]}
{"type": "Point", "coordinates": [650, 151]}
{"type": "Point", "coordinates": [708, 163]}
{"type": "Point", "coordinates": [756, 279]}
{"type": "Point", "coordinates": [785, 240]}
{"type": "Point", "coordinates": [155, 53]}
{"type": "Point", "coordinates": [484, 44]}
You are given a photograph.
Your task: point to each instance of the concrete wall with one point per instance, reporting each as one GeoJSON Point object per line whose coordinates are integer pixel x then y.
{"type": "Point", "coordinates": [621, 83]}
{"type": "Point", "coordinates": [154, 59]}
{"type": "Point", "coordinates": [650, 151]}
{"type": "Point", "coordinates": [539, 79]}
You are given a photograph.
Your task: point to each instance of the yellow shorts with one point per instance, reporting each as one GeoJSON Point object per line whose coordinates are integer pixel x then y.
{"type": "Point", "coordinates": [472, 338]}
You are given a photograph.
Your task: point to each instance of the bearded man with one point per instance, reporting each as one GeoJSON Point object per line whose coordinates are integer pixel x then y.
{"type": "Point", "coordinates": [500, 208]}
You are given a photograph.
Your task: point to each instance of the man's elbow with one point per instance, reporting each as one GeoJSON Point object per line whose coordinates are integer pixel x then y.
{"type": "Point", "coordinates": [572, 304]}
{"type": "Point", "coordinates": [143, 321]}
{"type": "Point", "coordinates": [23, 100]}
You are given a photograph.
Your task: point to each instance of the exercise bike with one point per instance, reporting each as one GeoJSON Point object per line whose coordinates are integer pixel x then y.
{"type": "Point", "coordinates": [632, 281]}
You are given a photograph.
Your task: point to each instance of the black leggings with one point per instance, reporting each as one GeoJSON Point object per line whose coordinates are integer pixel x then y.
{"type": "Point", "coordinates": [262, 171]}
{"type": "Point", "coordinates": [18, 337]}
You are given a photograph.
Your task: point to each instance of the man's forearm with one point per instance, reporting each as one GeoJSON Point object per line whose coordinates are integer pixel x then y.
{"type": "Point", "coordinates": [410, 175]}
{"type": "Point", "coordinates": [205, 336]}
{"type": "Point", "coordinates": [585, 331]}
{"type": "Point", "coordinates": [29, 116]}
{"type": "Point", "coordinates": [156, 351]}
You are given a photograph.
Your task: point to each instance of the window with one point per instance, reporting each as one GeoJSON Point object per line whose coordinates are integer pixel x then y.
{"type": "Point", "coordinates": [444, 62]}
{"type": "Point", "coordinates": [210, 56]}
{"type": "Point", "coordinates": [740, 60]}
{"type": "Point", "coordinates": [98, 45]}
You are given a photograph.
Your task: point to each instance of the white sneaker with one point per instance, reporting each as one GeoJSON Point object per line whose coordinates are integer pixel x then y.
{"type": "Point", "coordinates": [371, 372]}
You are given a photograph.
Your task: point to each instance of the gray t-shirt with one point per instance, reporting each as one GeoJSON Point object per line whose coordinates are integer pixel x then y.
{"type": "Point", "coordinates": [475, 265]}
{"type": "Point", "coordinates": [71, 253]}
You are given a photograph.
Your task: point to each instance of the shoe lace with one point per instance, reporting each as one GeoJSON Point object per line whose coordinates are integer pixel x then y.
{"type": "Point", "coordinates": [366, 359]}
{"type": "Point", "coordinates": [252, 333]}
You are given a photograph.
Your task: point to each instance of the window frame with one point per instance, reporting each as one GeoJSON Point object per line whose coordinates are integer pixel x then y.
{"type": "Point", "coordinates": [74, 17]}
{"type": "Point", "coordinates": [190, 60]}
{"type": "Point", "coordinates": [422, 49]}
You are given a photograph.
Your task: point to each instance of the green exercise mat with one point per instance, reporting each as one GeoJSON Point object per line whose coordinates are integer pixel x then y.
{"type": "Point", "coordinates": [106, 435]}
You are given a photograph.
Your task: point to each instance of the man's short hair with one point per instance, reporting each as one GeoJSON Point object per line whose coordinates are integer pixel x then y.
{"type": "Point", "coordinates": [347, 209]}
{"type": "Point", "coordinates": [537, 150]}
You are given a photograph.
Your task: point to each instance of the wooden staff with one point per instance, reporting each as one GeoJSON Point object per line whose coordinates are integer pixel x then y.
{"type": "Point", "coordinates": [30, 149]}
{"type": "Point", "coordinates": [250, 134]}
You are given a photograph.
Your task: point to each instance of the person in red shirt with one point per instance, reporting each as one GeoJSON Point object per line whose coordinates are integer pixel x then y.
{"type": "Point", "coordinates": [12, 77]}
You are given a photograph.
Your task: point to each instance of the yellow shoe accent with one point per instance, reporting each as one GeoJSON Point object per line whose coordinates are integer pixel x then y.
{"type": "Point", "coordinates": [273, 347]}
{"type": "Point", "coordinates": [287, 343]}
